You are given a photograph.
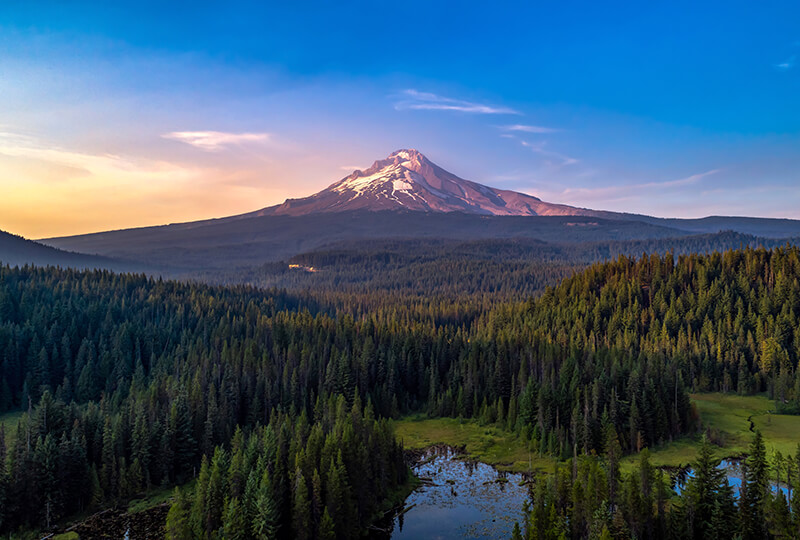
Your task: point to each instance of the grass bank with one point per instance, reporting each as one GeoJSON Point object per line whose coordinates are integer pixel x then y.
{"type": "Point", "coordinates": [9, 422]}
{"type": "Point", "coordinates": [489, 444]}
{"type": "Point", "coordinates": [728, 417]}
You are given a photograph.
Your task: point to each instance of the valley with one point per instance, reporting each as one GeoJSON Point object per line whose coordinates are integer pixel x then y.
{"type": "Point", "coordinates": [399, 271]}
{"type": "Point", "coordinates": [328, 386]}
{"type": "Point", "coordinates": [436, 206]}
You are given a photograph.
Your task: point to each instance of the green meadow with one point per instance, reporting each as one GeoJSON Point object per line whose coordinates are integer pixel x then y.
{"type": "Point", "coordinates": [9, 422]}
{"type": "Point", "coordinates": [489, 444]}
{"type": "Point", "coordinates": [726, 416]}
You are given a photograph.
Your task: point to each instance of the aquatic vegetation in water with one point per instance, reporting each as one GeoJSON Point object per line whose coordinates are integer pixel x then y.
{"type": "Point", "coordinates": [461, 498]}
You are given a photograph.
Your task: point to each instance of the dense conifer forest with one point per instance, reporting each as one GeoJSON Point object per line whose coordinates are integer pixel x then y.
{"type": "Point", "coordinates": [492, 270]}
{"type": "Point", "coordinates": [277, 403]}
{"type": "Point", "coordinates": [588, 497]}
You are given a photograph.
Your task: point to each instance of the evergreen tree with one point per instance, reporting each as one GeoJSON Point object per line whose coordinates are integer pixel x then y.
{"type": "Point", "coordinates": [516, 534]}
{"type": "Point", "coordinates": [177, 526]}
{"type": "Point", "coordinates": [303, 526]}
{"type": "Point", "coordinates": [266, 524]}
{"type": "Point", "coordinates": [702, 490]}
{"type": "Point", "coordinates": [234, 526]}
{"type": "Point", "coordinates": [724, 523]}
{"type": "Point", "coordinates": [198, 516]}
{"type": "Point", "coordinates": [755, 491]}
{"type": "Point", "coordinates": [327, 529]}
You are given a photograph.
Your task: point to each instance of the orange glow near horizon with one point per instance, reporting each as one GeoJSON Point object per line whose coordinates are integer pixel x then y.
{"type": "Point", "coordinates": [49, 192]}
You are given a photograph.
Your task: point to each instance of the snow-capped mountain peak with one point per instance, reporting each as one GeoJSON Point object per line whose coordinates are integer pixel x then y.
{"type": "Point", "coordinates": [407, 180]}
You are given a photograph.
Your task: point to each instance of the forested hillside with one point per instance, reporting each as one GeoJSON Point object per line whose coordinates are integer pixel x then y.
{"type": "Point", "coordinates": [133, 382]}
{"type": "Point", "coordinates": [18, 251]}
{"type": "Point", "coordinates": [729, 321]}
{"type": "Point", "coordinates": [492, 270]}
{"type": "Point", "coordinates": [588, 497]}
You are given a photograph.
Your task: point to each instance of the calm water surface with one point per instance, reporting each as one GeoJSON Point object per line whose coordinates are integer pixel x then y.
{"type": "Point", "coordinates": [461, 499]}
{"type": "Point", "coordinates": [733, 472]}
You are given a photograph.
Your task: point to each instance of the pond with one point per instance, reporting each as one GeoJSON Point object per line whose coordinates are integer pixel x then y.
{"type": "Point", "coordinates": [733, 472]}
{"type": "Point", "coordinates": [460, 499]}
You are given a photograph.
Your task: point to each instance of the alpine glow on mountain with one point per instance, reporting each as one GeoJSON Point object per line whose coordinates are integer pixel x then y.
{"type": "Point", "coordinates": [407, 180]}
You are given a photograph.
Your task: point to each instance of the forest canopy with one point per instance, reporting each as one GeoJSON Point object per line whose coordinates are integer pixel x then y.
{"type": "Point", "coordinates": [130, 382]}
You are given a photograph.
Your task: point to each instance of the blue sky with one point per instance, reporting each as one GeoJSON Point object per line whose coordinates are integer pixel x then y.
{"type": "Point", "coordinates": [138, 113]}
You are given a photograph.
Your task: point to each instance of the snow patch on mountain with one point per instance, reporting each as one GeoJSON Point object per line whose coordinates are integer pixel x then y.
{"type": "Point", "coordinates": [399, 185]}
{"type": "Point", "coordinates": [407, 180]}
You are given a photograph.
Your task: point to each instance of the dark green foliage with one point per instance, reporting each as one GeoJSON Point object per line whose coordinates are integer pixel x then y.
{"type": "Point", "coordinates": [755, 494]}
{"type": "Point", "coordinates": [177, 526]}
{"type": "Point", "coordinates": [132, 382]}
{"type": "Point", "coordinates": [706, 508]}
{"type": "Point", "coordinates": [263, 511]}
{"type": "Point", "coordinates": [701, 491]}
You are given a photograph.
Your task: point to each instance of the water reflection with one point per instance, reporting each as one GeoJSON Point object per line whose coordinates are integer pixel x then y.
{"type": "Point", "coordinates": [733, 472]}
{"type": "Point", "coordinates": [460, 499]}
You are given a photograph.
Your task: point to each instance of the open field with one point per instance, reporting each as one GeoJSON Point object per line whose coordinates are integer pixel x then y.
{"type": "Point", "coordinates": [9, 422]}
{"type": "Point", "coordinates": [489, 444]}
{"type": "Point", "coordinates": [726, 415]}
{"type": "Point", "coordinates": [781, 432]}
{"type": "Point", "coordinates": [159, 496]}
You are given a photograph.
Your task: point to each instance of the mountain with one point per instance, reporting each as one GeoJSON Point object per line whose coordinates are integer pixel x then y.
{"type": "Point", "coordinates": [407, 180]}
{"type": "Point", "coordinates": [402, 196]}
{"type": "Point", "coordinates": [230, 243]}
{"type": "Point", "coordinates": [18, 251]}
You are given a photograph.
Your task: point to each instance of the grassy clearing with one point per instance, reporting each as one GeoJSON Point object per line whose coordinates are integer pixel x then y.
{"type": "Point", "coordinates": [158, 496]}
{"type": "Point", "coordinates": [674, 454]}
{"type": "Point", "coordinates": [67, 536]}
{"type": "Point", "coordinates": [781, 432]}
{"type": "Point", "coordinates": [489, 444]}
{"type": "Point", "coordinates": [9, 422]}
{"type": "Point", "coordinates": [731, 415]}
{"type": "Point", "coordinates": [728, 417]}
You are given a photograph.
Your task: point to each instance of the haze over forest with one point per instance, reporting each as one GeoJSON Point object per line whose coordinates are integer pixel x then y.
{"type": "Point", "coordinates": [372, 270]}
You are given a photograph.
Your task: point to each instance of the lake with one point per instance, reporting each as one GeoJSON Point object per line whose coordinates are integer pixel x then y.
{"type": "Point", "coordinates": [460, 499]}
{"type": "Point", "coordinates": [733, 472]}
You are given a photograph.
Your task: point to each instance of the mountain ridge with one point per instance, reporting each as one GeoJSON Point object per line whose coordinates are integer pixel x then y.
{"type": "Point", "coordinates": [404, 194]}
{"type": "Point", "coordinates": [16, 250]}
{"type": "Point", "coordinates": [408, 180]}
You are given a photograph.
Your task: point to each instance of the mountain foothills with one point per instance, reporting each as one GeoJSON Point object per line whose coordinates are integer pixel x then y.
{"type": "Point", "coordinates": [258, 364]}
{"type": "Point", "coordinates": [279, 404]}
{"type": "Point", "coordinates": [405, 196]}
{"type": "Point", "coordinates": [17, 251]}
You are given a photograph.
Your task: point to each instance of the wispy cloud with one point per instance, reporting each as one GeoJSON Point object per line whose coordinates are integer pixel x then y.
{"type": "Point", "coordinates": [215, 140]}
{"type": "Point", "coordinates": [351, 168]}
{"type": "Point", "coordinates": [50, 189]}
{"type": "Point", "coordinates": [787, 65]}
{"type": "Point", "coordinates": [540, 148]}
{"type": "Point", "coordinates": [426, 101]}
{"type": "Point", "coordinates": [528, 129]}
{"type": "Point", "coordinates": [85, 163]}
{"type": "Point", "coordinates": [626, 191]}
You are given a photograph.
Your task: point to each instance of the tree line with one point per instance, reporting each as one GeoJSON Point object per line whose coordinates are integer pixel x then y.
{"type": "Point", "coordinates": [589, 498]}
{"type": "Point", "coordinates": [131, 382]}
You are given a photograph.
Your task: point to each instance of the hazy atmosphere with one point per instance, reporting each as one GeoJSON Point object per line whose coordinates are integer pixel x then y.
{"type": "Point", "coordinates": [399, 270]}
{"type": "Point", "coordinates": [119, 115]}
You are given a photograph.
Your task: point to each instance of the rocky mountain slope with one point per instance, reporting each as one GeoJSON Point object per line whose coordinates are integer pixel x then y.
{"type": "Point", "coordinates": [407, 180]}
